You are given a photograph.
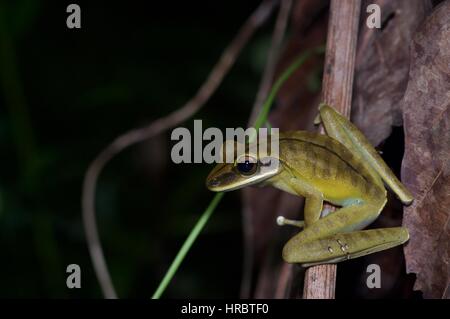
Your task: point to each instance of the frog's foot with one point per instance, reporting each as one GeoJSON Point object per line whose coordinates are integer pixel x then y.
{"type": "Point", "coordinates": [282, 221]}
{"type": "Point", "coordinates": [343, 246]}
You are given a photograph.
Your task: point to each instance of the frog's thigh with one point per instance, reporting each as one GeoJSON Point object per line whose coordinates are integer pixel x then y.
{"type": "Point", "coordinates": [346, 219]}
{"type": "Point", "coordinates": [339, 247]}
{"type": "Point", "coordinates": [341, 129]}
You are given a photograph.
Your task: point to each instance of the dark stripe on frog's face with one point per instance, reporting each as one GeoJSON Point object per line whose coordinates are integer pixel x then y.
{"type": "Point", "coordinates": [226, 177]}
{"type": "Point", "coordinates": [222, 180]}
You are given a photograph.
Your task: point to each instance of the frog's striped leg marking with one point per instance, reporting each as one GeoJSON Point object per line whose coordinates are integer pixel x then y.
{"type": "Point", "coordinates": [341, 129]}
{"type": "Point", "coordinates": [339, 247]}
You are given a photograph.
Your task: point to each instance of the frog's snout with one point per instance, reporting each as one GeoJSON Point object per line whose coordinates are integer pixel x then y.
{"type": "Point", "coordinates": [212, 183]}
{"type": "Point", "coordinates": [220, 178]}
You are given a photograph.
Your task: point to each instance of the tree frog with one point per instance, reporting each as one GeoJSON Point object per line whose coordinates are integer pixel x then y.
{"type": "Point", "coordinates": [341, 168]}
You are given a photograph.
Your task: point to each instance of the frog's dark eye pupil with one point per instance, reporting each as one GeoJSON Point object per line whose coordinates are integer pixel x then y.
{"type": "Point", "coordinates": [246, 167]}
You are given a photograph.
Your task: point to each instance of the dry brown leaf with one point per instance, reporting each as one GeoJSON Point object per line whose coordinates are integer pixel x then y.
{"type": "Point", "coordinates": [382, 65]}
{"type": "Point", "coordinates": [426, 166]}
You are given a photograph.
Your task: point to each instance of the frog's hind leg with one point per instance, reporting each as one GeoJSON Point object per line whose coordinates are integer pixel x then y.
{"type": "Point", "coordinates": [312, 244]}
{"type": "Point", "coordinates": [341, 129]}
{"type": "Point", "coordinates": [343, 246]}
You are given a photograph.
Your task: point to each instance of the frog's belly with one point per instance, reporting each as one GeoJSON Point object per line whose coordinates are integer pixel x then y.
{"type": "Point", "coordinates": [342, 193]}
{"type": "Point", "coordinates": [339, 191]}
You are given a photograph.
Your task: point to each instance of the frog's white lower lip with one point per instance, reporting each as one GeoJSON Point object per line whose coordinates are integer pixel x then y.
{"type": "Point", "coordinates": [218, 188]}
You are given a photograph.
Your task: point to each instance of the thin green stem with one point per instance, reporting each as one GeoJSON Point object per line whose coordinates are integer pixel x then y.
{"type": "Point", "coordinates": [260, 120]}
{"type": "Point", "coordinates": [187, 245]}
{"type": "Point", "coordinates": [262, 117]}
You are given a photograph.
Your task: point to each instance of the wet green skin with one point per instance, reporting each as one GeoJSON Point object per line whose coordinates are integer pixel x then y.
{"type": "Point", "coordinates": [342, 168]}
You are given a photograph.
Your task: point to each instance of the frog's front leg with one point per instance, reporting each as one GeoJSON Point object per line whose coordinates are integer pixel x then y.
{"type": "Point", "coordinates": [313, 200]}
{"type": "Point", "coordinates": [312, 210]}
{"type": "Point", "coordinates": [283, 221]}
{"type": "Point", "coordinates": [313, 203]}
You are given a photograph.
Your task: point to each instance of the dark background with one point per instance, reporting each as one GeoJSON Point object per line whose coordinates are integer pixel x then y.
{"type": "Point", "coordinates": [66, 93]}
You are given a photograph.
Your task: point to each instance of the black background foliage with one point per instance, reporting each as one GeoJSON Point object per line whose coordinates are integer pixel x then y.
{"type": "Point", "coordinates": [66, 93]}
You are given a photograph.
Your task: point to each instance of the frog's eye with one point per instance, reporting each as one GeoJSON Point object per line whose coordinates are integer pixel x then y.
{"type": "Point", "coordinates": [247, 165]}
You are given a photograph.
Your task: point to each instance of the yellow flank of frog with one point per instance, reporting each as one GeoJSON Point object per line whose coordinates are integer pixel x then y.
{"type": "Point", "coordinates": [342, 168]}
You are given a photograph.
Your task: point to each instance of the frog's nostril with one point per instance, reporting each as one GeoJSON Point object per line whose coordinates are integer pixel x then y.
{"type": "Point", "coordinates": [213, 183]}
